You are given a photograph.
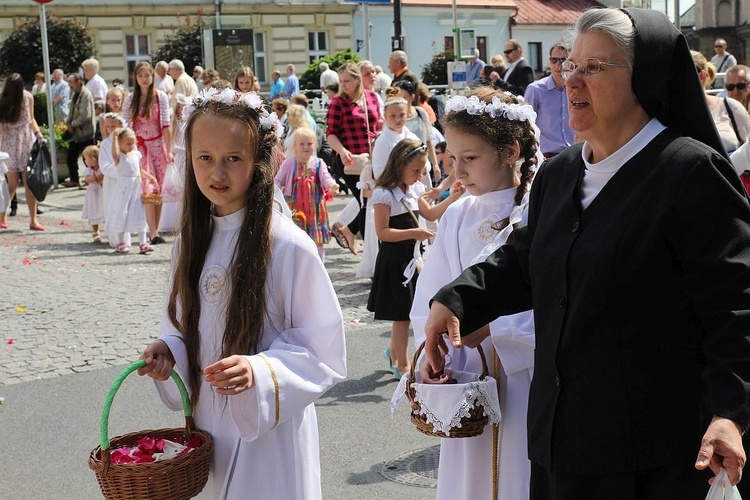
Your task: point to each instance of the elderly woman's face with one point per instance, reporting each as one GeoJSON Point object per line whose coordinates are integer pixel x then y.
{"type": "Point", "coordinates": [600, 103]}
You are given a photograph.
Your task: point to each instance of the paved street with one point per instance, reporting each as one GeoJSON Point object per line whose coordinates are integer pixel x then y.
{"type": "Point", "coordinates": [73, 313]}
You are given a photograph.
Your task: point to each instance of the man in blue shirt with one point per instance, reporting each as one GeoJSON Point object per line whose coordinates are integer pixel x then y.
{"type": "Point", "coordinates": [474, 68]}
{"type": "Point", "coordinates": [549, 99]}
{"type": "Point", "coordinates": [60, 95]}
{"type": "Point", "coordinates": [278, 84]}
{"type": "Point", "coordinates": [292, 82]}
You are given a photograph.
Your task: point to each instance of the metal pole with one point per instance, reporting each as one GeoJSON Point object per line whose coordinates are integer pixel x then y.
{"type": "Point", "coordinates": [366, 29]}
{"type": "Point", "coordinates": [48, 81]}
{"type": "Point", "coordinates": [218, 14]}
{"type": "Point", "coordinates": [397, 25]}
{"type": "Point", "coordinates": [455, 30]}
{"type": "Point", "coordinates": [677, 13]}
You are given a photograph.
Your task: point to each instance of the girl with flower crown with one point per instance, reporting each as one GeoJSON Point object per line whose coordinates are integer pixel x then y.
{"type": "Point", "coordinates": [252, 323]}
{"type": "Point", "coordinates": [491, 137]}
{"type": "Point", "coordinates": [112, 121]}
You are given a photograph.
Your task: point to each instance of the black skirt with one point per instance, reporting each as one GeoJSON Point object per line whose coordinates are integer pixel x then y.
{"type": "Point", "coordinates": [389, 299]}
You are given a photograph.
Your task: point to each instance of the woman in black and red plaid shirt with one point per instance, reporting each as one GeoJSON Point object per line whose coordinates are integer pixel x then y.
{"type": "Point", "coordinates": [352, 124]}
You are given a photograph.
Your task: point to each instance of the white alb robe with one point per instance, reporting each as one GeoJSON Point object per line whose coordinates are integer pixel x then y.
{"type": "Point", "coordinates": [464, 237]}
{"type": "Point", "coordinates": [259, 452]}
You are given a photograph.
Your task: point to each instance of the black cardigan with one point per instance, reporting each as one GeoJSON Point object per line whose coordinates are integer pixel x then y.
{"type": "Point", "coordinates": [641, 303]}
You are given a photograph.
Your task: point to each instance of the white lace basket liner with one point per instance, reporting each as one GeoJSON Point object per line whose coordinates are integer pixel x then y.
{"type": "Point", "coordinates": [450, 410]}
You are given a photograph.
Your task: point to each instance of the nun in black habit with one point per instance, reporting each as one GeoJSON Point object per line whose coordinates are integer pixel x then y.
{"type": "Point", "coordinates": [636, 261]}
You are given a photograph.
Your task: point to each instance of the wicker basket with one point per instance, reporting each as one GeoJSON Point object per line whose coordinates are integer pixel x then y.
{"type": "Point", "coordinates": [471, 426]}
{"type": "Point", "coordinates": [151, 198]}
{"type": "Point", "coordinates": [181, 477]}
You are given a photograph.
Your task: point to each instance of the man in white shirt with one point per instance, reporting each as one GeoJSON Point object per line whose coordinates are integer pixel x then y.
{"type": "Point", "coordinates": [95, 83]}
{"type": "Point", "coordinates": [382, 80]}
{"type": "Point", "coordinates": [162, 81]}
{"type": "Point", "coordinates": [183, 84]}
{"type": "Point", "coordinates": [327, 76]}
{"type": "Point", "coordinates": [723, 60]}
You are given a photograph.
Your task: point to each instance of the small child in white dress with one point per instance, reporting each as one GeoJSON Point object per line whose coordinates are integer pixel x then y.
{"type": "Point", "coordinates": [4, 192]}
{"type": "Point", "coordinates": [112, 122]}
{"type": "Point", "coordinates": [93, 206]}
{"type": "Point", "coordinates": [128, 214]}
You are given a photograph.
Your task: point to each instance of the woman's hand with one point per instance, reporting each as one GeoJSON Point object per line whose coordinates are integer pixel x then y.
{"type": "Point", "coordinates": [159, 361]}
{"type": "Point", "coordinates": [334, 188]}
{"type": "Point", "coordinates": [427, 375]}
{"type": "Point", "coordinates": [440, 320]}
{"type": "Point", "coordinates": [422, 233]}
{"type": "Point", "coordinates": [346, 158]}
{"type": "Point", "coordinates": [230, 376]}
{"type": "Point", "coordinates": [170, 157]}
{"type": "Point", "coordinates": [721, 447]}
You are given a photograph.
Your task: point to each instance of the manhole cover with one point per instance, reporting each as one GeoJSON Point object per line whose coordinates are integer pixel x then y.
{"type": "Point", "coordinates": [414, 468]}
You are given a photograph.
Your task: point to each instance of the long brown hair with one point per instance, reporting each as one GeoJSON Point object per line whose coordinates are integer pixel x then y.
{"type": "Point", "coordinates": [11, 100]}
{"type": "Point", "coordinates": [150, 94]}
{"type": "Point", "coordinates": [500, 132]}
{"type": "Point", "coordinates": [401, 154]}
{"type": "Point", "coordinates": [244, 71]}
{"type": "Point", "coordinates": [250, 256]}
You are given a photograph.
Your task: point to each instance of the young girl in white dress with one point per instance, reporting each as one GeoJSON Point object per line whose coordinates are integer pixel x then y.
{"type": "Point", "coordinates": [397, 200]}
{"type": "Point", "coordinates": [128, 213]}
{"type": "Point", "coordinates": [93, 208]}
{"type": "Point", "coordinates": [112, 122]}
{"type": "Point", "coordinates": [492, 141]}
{"type": "Point", "coordinates": [252, 322]}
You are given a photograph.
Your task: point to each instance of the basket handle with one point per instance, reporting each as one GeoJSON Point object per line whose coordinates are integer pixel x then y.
{"type": "Point", "coordinates": [412, 378]}
{"type": "Point", "coordinates": [104, 427]}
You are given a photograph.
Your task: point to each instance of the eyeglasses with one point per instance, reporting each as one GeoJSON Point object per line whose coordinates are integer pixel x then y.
{"type": "Point", "coordinates": [557, 60]}
{"type": "Point", "coordinates": [506, 52]}
{"type": "Point", "coordinates": [738, 86]}
{"type": "Point", "coordinates": [719, 46]}
{"type": "Point", "coordinates": [588, 67]}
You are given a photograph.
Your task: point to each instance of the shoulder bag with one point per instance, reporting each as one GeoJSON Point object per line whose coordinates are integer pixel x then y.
{"type": "Point", "coordinates": [361, 159]}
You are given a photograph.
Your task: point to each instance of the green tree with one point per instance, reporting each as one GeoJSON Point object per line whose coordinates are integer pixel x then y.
{"type": "Point", "coordinates": [436, 71]}
{"type": "Point", "coordinates": [310, 79]}
{"type": "Point", "coordinates": [70, 44]}
{"type": "Point", "coordinates": [184, 43]}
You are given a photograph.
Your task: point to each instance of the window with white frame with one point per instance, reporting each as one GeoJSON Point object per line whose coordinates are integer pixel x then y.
{"type": "Point", "coordinates": [317, 44]}
{"type": "Point", "coordinates": [259, 57]}
{"type": "Point", "coordinates": [137, 49]}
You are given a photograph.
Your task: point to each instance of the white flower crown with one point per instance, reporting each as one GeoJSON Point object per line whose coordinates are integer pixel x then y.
{"type": "Point", "coordinates": [473, 106]}
{"type": "Point", "coordinates": [230, 97]}
{"type": "Point", "coordinates": [115, 116]}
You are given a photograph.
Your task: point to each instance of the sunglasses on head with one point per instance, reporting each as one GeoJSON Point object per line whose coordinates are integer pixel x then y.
{"type": "Point", "coordinates": [739, 86]}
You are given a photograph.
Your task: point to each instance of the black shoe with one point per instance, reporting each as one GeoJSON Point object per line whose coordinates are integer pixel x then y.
{"type": "Point", "coordinates": [13, 211]}
{"type": "Point", "coordinates": [157, 240]}
{"type": "Point", "coordinates": [39, 212]}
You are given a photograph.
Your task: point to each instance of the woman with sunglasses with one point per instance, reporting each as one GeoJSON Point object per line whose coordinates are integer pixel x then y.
{"type": "Point", "coordinates": [730, 117]}
{"type": "Point", "coordinates": [737, 84]}
{"type": "Point", "coordinates": [636, 263]}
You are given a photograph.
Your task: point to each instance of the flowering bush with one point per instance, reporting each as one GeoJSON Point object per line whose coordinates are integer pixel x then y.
{"type": "Point", "coordinates": [60, 128]}
{"type": "Point", "coordinates": [153, 449]}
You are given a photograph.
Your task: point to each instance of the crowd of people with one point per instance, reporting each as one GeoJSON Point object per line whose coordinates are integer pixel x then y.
{"type": "Point", "coordinates": [559, 223]}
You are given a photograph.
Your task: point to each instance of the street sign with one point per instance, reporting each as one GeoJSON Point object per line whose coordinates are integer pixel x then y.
{"type": "Point", "coordinates": [456, 74]}
{"type": "Point", "coordinates": [466, 43]}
